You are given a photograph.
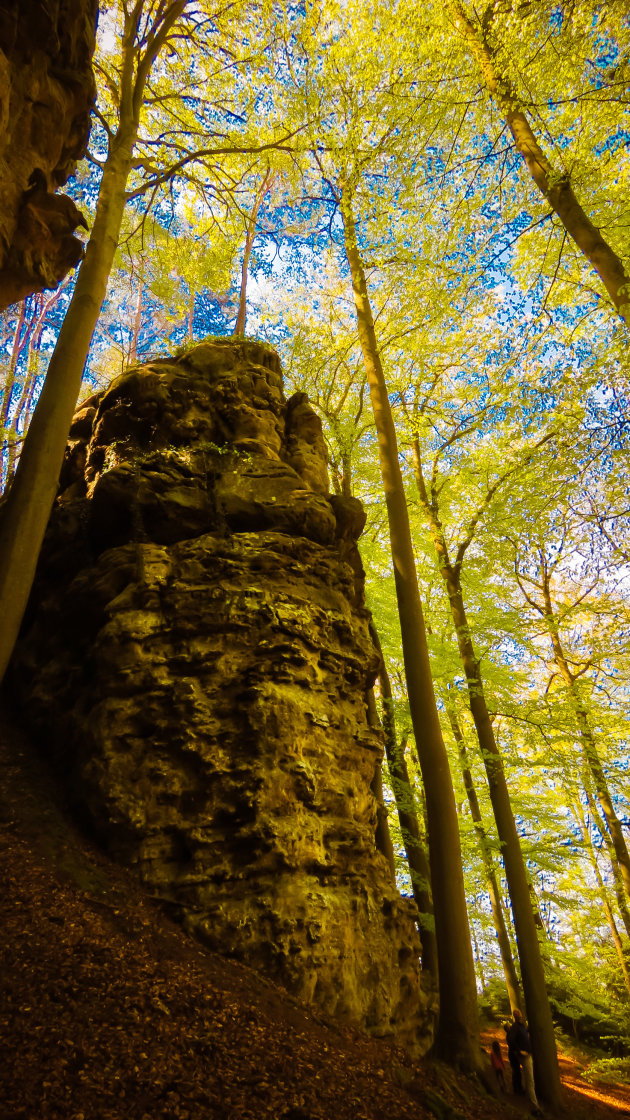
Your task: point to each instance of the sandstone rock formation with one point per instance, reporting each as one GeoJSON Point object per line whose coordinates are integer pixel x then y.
{"type": "Point", "coordinates": [196, 659]}
{"type": "Point", "coordinates": [46, 96]}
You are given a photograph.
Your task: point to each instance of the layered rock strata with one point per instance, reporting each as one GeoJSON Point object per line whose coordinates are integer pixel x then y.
{"type": "Point", "coordinates": [196, 659]}
{"type": "Point", "coordinates": [46, 96]}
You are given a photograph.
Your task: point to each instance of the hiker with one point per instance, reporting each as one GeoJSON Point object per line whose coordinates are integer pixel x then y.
{"type": "Point", "coordinates": [496, 1061]}
{"type": "Point", "coordinates": [519, 1045]}
{"type": "Point", "coordinates": [514, 1059]}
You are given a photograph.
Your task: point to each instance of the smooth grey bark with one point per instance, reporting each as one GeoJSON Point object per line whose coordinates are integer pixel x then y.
{"type": "Point", "coordinates": [417, 861]}
{"type": "Point", "coordinates": [457, 1036]}
{"type": "Point", "coordinates": [530, 957]}
{"type": "Point", "coordinates": [509, 968]}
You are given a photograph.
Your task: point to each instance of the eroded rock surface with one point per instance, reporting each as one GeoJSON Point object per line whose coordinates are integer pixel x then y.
{"type": "Point", "coordinates": [46, 96]}
{"type": "Point", "coordinates": [196, 659]}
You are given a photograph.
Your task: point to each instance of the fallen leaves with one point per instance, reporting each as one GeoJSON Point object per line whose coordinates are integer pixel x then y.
{"type": "Point", "coordinates": [110, 1012]}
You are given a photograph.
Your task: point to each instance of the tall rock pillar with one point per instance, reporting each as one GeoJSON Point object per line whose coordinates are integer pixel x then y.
{"type": "Point", "coordinates": [197, 657]}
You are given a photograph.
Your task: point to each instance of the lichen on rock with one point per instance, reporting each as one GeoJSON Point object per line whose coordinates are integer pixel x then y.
{"type": "Point", "coordinates": [196, 658]}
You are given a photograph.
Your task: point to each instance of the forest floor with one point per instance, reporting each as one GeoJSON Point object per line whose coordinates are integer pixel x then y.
{"type": "Point", "coordinates": [108, 1011]}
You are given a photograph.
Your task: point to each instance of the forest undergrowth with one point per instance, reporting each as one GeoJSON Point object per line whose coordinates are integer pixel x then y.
{"type": "Point", "coordinates": [111, 1012]}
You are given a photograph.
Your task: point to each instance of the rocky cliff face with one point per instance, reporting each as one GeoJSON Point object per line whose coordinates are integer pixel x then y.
{"type": "Point", "coordinates": [196, 660]}
{"type": "Point", "coordinates": [46, 97]}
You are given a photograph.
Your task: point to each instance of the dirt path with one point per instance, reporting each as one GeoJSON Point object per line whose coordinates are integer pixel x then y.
{"type": "Point", "coordinates": [598, 1101]}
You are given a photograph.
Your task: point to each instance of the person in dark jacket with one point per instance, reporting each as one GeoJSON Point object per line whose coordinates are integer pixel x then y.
{"type": "Point", "coordinates": [513, 1036]}
{"type": "Point", "coordinates": [520, 1055]}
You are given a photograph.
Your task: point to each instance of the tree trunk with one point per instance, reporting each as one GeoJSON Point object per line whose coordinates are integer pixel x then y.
{"type": "Point", "coordinates": [12, 435]}
{"type": "Point", "coordinates": [190, 318]}
{"type": "Point", "coordinates": [589, 746]}
{"type": "Point", "coordinates": [346, 474]}
{"type": "Point", "coordinates": [250, 236]}
{"type": "Point", "coordinates": [25, 402]}
{"type": "Point", "coordinates": [457, 1038]}
{"type": "Point", "coordinates": [603, 893]}
{"type": "Point", "coordinates": [478, 960]}
{"type": "Point", "coordinates": [30, 500]}
{"type": "Point", "coordinates": [613, 823]}
{"type": "Point", "coordinates": [503, 938]}
{"type": "Point", "coordinates": [9, 381]}
{"type": "Point", "coordinates": [610, 851]}
{"type": "Point", "coordinates": [532, 971]}
{"type": "Point", "coordinates": [554, 187]}
{"type": "Point", "coordinates": [612, 925]}
{"type": "Point", "coordinates": [26, 512]}
{"type": "Point", "coordinates": [382, 836]}
{"type": "Point", "coordinates": [411, 832]}
{"type": "Point", "coordinates": [137, 324]}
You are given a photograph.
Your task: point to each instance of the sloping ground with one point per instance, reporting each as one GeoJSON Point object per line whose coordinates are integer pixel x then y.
{"type": "Point", "coordinates": [592, 1100]}
{"type": "Point", "coordinates": [109, 1012]}
{"type": "Point", "coordinates": [614, 1097]}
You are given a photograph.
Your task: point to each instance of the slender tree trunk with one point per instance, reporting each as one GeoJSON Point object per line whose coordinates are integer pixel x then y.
{"type": "Point", "coordinates": [613, 823]}
{"type": "Point", "coordinates": [603, 892]}
{"type": "Point", "coordinates": [503, 938]}
{"type": "Point", "coordinates": [589, 746]}
{"type": "Point", "coordinates": [610, 851]}
{"type": "Point", "coordinates": [594, 778]}
{"type": "Point", "coordinates": [556, 188]}
{"type": "Point", "coordinates": [9, 382]}
{"type": "Point", "coordinates": [191, 317]}
{"type": "Point", "coordinates": [612, 925]}
{"type": "Point", "coordinates": [12, 456]}
{"type": "Point", "coordinates": [532, 970]}
{"type": "Point", "coordinates": [24, 405]}
{"type": "Point", "coordinates": [411, 832]}
{"type": "Point", "coordinates": [250, 237]}
{"type": "Point", "coordinates": [34, 345]}
{"type": "Point", "coordinates": [26, 512]}
{"type": "Point", "coordinates": [241, 317]}
{"type": "Point", "coordinates": [21, 409]}
{"type": "Point", "coordinates": [346, 474]}
{"type": "Point", "coordinates": [457, 1038]}
{"type": "Point", "coordinates": [137, 324]}
{"type": "Point", "coordinates": [478, 960]}
{"type": "Point", "coordinates": [382, 836]}
{"type": "Point", "coordinates": [620, 894]}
